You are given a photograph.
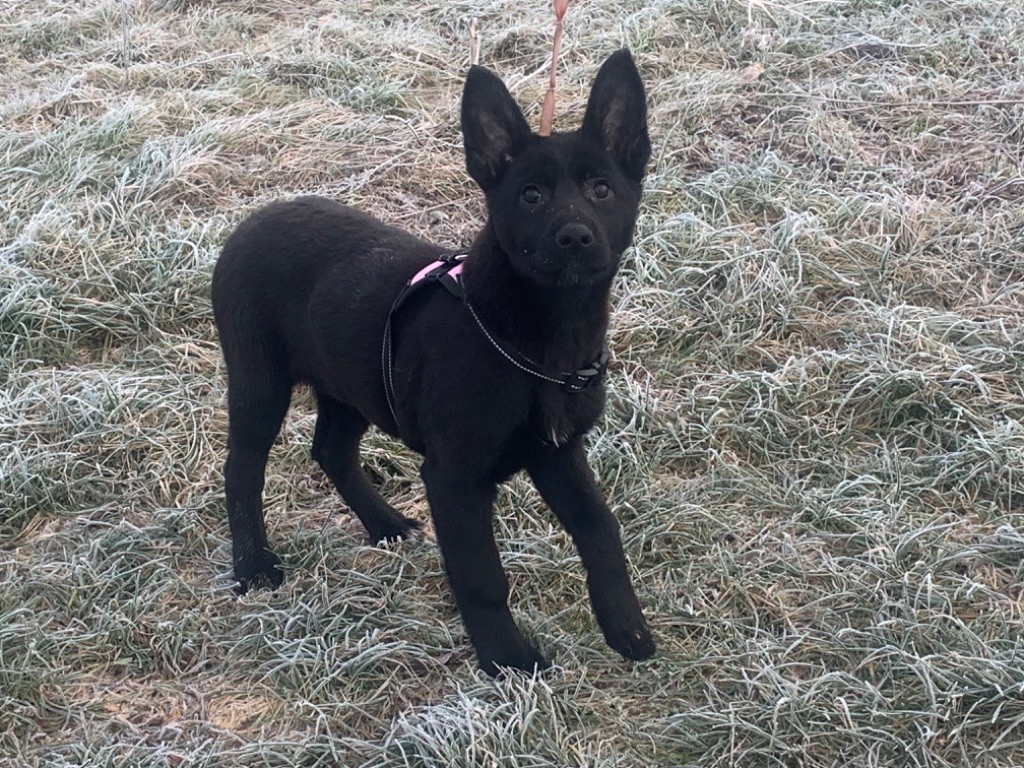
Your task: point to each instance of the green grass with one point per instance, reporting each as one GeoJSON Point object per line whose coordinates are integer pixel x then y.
{"type": "Point", "coordinates": [815, 432]}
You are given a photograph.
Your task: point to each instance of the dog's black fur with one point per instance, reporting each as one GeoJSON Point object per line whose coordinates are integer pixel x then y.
{"type": "Point", "coordinates": [302, 291]}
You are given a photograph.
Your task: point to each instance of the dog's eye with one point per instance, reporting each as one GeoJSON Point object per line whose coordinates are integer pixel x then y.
{"type": "Point", "coordinates": [531, 195]}
{"type": "Point", "coordinates": [601, 189]}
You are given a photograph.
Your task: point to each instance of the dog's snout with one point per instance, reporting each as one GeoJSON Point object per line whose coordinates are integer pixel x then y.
{"type": "Point", "coordinates": [574, 236]}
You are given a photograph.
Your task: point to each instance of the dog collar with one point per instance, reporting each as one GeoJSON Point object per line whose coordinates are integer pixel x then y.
{"type": "Point", "coordinates": [447, 271]}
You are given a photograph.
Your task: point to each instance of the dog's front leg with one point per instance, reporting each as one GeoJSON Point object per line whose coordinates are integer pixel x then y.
{"type": "Point", "coordinates": [566, 483]}
{"type": "Point", "coordinates": [461, 509]}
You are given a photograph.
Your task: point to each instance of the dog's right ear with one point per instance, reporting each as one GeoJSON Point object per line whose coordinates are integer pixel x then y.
{"type": "Point", "coordinates": [493, 126]}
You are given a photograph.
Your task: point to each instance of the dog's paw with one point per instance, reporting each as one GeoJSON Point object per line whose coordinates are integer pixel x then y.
{"type": "Point", "coordinates": [621, 619]}
{"type": "Point", "coordinates": [633, 641]}
{"type": "Point", "coordinates": [259, 573]}
{"type": "Point", "coordinates": [401, 527]}
{"type": "Point", "coordinates": [519, 656]}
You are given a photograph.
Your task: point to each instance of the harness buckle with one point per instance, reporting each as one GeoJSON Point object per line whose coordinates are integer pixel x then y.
{"type": "Point", "coordinates": [579, 380]}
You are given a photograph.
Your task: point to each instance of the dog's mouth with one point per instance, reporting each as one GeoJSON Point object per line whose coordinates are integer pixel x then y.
{"type": "Point", "coordinates": [564, 274]}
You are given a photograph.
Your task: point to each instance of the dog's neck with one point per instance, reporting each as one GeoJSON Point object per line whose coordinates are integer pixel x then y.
{"type": "Point", "coordinates": [561, 329]}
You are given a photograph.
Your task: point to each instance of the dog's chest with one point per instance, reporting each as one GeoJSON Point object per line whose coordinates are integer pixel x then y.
{"type": "Point", "coordinates": [557, 416]}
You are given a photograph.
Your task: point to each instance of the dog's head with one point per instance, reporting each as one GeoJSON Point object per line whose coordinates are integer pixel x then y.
{"type": "Point", "coordinates": [563, 207]}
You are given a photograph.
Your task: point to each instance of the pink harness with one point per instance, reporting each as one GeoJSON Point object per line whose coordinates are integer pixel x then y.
{"type": "Point", "coordinates": [444, 265]}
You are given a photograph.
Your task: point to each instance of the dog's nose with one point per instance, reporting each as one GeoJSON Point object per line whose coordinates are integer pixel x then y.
{"type": "Point", "coordinates": [575, 236]}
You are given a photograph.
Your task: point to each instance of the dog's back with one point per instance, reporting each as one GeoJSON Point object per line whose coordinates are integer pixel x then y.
{"type": "Point", "coordinates": [294, 256]}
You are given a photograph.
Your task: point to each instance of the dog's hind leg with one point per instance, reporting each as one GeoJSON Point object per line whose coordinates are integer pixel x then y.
{"type": "Point", "coordinates": [336, 448]}
{"type": "Point", "coordinates": [257, 403]}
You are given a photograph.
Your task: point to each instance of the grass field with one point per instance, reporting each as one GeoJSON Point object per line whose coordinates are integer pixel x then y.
{"type": "Point", "coordinates": [815, 432]}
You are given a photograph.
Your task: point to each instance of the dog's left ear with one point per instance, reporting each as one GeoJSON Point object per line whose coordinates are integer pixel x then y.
{"type": "Point", "coordinates": [493, 127]}
{"type": "Point", "coordinates": [616, 114]}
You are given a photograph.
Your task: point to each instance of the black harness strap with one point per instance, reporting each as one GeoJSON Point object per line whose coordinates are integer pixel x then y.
{"type": "Point", "coordinates": [438, 272]}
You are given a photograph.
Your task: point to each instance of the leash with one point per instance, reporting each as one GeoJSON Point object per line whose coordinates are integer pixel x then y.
{"type": "Point", "coordinates": [447, 271]}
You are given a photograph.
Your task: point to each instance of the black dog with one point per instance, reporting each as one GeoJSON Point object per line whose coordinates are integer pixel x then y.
{"type": "Point", "coordinates": [477, 381]}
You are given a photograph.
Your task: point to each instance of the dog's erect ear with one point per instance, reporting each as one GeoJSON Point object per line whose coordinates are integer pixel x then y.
{"type": "Point", "coordinates": [493, 126]}
{"type": "Point", "coordinates": [617, 113]}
